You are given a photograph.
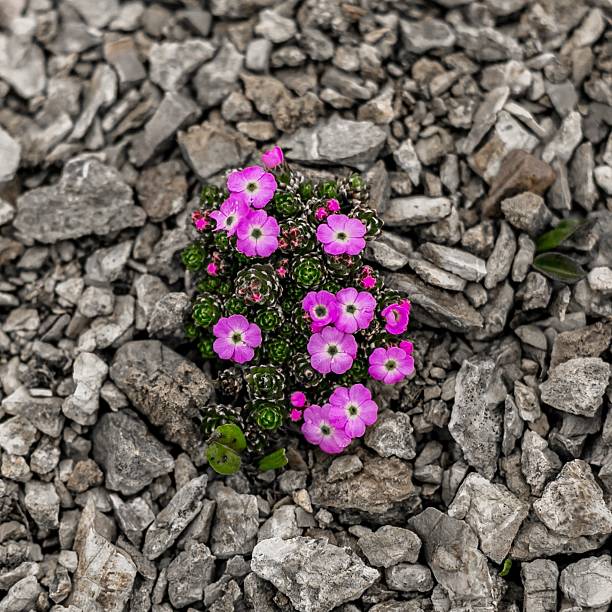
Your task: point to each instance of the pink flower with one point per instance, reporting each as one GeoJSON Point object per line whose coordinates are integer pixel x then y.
{"type": "Point", "coordinates": [333, 205]}
{"type": "Point", "coordinates": [253, 184]}
{"type": "Point", "coordinates": [232, 211]}
{"type": "Point", "coordinates": [257, 234]}
{"type": "Point", "coordinates": [332, 351]}
{"type": "Point", "coordinates": [390, 365]}
{"type": "Point", "coordinates": [212, 268]}
{"type": "Point", "coordinates": [272, 158]}
{"type": "Point", "coordinates": [340, 234]}
{"type": "Point", "coordinates": [237, 339]}
{"type": "Point", "coordinates": [407, 346]}
{"type": "Point", "coordinates": [320, 213]}
{"type": "Point", "coordinates": [367, 282]}
{"type": "Point", "coordinates": [353, 409]}
{"type": "Point", "coordinates": [322, 308]}
{"type": "Point", "coordinates": [397, 317]}
{"type": "Point", "coordinates": [356, 309]}
{"type": "Point", "coordinates": [318, 429]}
{"type": "Point", "coordinates": [295, 415]}
{"type": "Point", "coordinates": [298, 399]}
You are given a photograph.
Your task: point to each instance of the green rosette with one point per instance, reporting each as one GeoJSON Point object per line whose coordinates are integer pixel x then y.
{"type": "Point", "coordinates": [205, 347]}
{"type": "Point", "coordinates": [193, 257]}
{"type": "Point", "coordinates": [258, 285]}
{"type": "Point", "coordinates": [308, 271]}
{"type": "Point", "coordinates": [268, 415]}
{"type": "Point", "coordinates": [286, 204]}
{"type": "Point", "coordinates": [303, 372]}
{"type": "Point", "coordinates": [234, 305]}
{"type": "Point", "coordinates": [206, 310]}
{"type": "Point", "coordinates": [270, 319]}
{"type": "Point", "coordinates": [370, 219]}
{"type": "Point", "coordinates": [265, 382]}
{"type": "Point", "coordinates": [278, 350]}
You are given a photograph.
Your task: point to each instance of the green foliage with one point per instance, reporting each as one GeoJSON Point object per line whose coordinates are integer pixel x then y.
{"type": "Point", "coordinates": [564, 230]}
{"type": "Point", "coordinates": [224, 448]}
{"type": "Point", "coordinates": [273, 461]}
{"type": "Point", "coordinates": [559, 267]}
{"type": "Point", "coordinates": [505, 570]}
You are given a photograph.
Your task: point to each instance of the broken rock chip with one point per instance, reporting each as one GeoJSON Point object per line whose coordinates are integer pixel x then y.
{"type": "Point", "coordinates": [390, 545]}
{"type": "Point", "coordinates": [315, 575]}
{"type": "Point", "coordinates": [577, 386]}
{"type": "Point", "coordinates": [415, 210]}
{"type": "Point", "coordinates": [166, 388]}
{"type": "Point", "coordinates": [456, 261]}
{"type": "Point", "coordinates": [573, 505]}
{"type": "Point", "coordinates": [477, 416]}
{"type": "Point", "coordinates": [588, 582]}
{"type": "Point", "coordinates": [540, 585]}
{"type": "Point", "coordinates": [10, 154]}
{"type": "Point", "coordinates": [492, 511]}
{"type": "Point", "coordinates": [90, 198]}
{"type": "Point", "coordinates": [105, 574]}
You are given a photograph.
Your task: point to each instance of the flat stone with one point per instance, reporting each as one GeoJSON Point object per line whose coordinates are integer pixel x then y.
{"type": "Point", "coordinates": [487, 44]}
{"type": "Point", "coordinates": [457, 262]}
{"type": "Point", "coordinates": [577, 386]}
{"type": "Point", "coordinates": [600, 279]}
{"type": "Point", "coordinates": [436, 276]}
{"type": "Point", "coordinates": [539, 463]}
{"type": "Point", "coordinates": [122, 55]}
{"type": "Point", "coordinates": [565, 140]}
{"type": "Point", "coordinates": [22, 595]}
{"type": "Point", "coordinates": [477, 416]}
{"type": "Point", "coordinates": [519, 172]}
{"type": "Point", "coordinates": [107, 265]}
{"type": "Point", "coordinates": [282, 524]}
{"type": "Point", "coordinates": [209, 148]}
{"type": "Point", "coordinates": [44, 413]}
{"type": "Point", "coordinates": [391, 435]}
{"type": "Point", "coordinates": [385, 255]}
{"type": "Point", "coordinates": [166, 388]}
{"type": "Point", "coordinates": [382, 491]}
{"type": "Point", "coordinates": [10, 156]}
{"type": "Point", "coordinates": [216, 79]}
{"type": "Point", "coordinates": [589, 341]}
{"type": "Point", "coordinates": [165, 256]}
{"type": "Point", "coordinates": [340, 141]}
{"type": "Point", "coordinates": [500, 260]}
{"type": "Point", "coordinates": [130, 456]}
{"type": "Point", "coordinates": [527, 211]}
{"type": "Point", "coordinates": [168, 316]}
{"type": "Point", "coordinates": [274, 27]}
{"type": "Point", "coordinates": [89, 372]}
{"type": "Point", "coordinates": [407, 159]}
{"type": "Point", "coordinates": [22, 65]}
{"type": "Point", "coordinates": [133, 516]}
{"type": "Point", "coordinates": [172, 63]}
{"type": "Point", "coordinates": [603, 178]}
{"type": "Point", "coordinates": [105, 574]}
{"type": "Point", "coordinates": [315, 575]}
{"type": "Point", "coordinates": [540, 585]}
{"type": "Point", "coordinates": [426, 34]}
{"type": "Point", "coordinates": [189, 573]}
{"type": "Point", "coordinates": [451, 551]}
{"type": "Point", "coordinates": [492, 512]}
{"type": "Point", "coordinates": [105, 331]}
{"type": "Point", "coordinates": [174, 518]}
{"type": "Point", "coordinates": [17, 435]}
{"type": "Point", "coordinates": [449, 310]}
{"type": "Point", "coordinates": [485, 117]}
{"type": "Point", "coordinates": [42, 503]}
{"type": "Point", "coordinates": [588, 582]}
{"type": "Point", "coordinates": [175, 112]}
{"type": "Point", "coordinates": [414, 210]}
{"type": "Point", "coordinates": [236, 524]}
{"type": "Point", "coordinates": [162, 190]}
{"type": "Point", "coordinates": [390, 545]}
{"type": "Point", "coordinates": [90, 198]}
{"type": "Point", "coordinates": [409, 578]}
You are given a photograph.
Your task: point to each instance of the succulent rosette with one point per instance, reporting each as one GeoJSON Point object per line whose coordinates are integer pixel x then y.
{"type": "Point", "coordinates": [296, 328]}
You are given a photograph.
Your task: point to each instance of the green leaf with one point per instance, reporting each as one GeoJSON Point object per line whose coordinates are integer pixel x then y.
{"type": "Point", "coordinates": [559, 267]}
{"type": "Point", "coordinates": [506, 568]}
{"type": "Point", "coordinates": [230, 435]}
{"type": "Point", "coordinates": [273, 461]}
{"type": "Point", "coordinates": [559, 234]}
{"type": "Point", "coordinates": [222, 459]}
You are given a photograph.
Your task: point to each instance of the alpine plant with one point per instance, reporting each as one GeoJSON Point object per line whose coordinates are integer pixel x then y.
{"type": "Point", "coordinates": [293, 323]}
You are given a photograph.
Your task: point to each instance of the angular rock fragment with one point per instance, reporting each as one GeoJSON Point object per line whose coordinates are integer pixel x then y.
{"type": "Point", "coordinates": [10, 154]}
{"type": "Point", "coordinates": [90, 198]}
{"type": "Point", "coordinates": [414, 210]}
{"type": "Point", "coordinates": [540, 585]}
{"type": "Point", "coordinates": [392, 435]}
{"type": "Point", "coordinates": [426, 34]}
{"type": "Point", "coordinates": [477, 415]}
{"type": "Point", "coordinates": [590, 341]}
{"type": "Point", "coordinates": [174, 518]}
{"type": "Point", "coordinates": [492, 512]}
{"type": "Point", "coordinates": [314, 575]}
{"type": "Point", "coordinates": [45, 413]}
{"type": "Point", "coordinates": [500, 261]}
{"type": "Point", "coordinates": [588, 582]}
{"type": "Point", "coordinates": [189, 573]}
{"type": "Point", "coordinates": [166, 388]}
{"type": "Point", "coordinates": [130, 455]}
{"type": "Point", "coordinates": [43, 503]}
{"type": "Point", "coordinates": [389, 545]}
{"type": "Point", "coordinates": [577, 386]}
{"type": "Point", "coordinates": [216, 79]}
{"type": "Point", "coordinates": [539, 463]}
{"type": "Point", "coordinates": [527, 211]}
{"type": "Point", "coordinates": [457, 262]}
{"type": "Point", "coordinates": [162, 190]}
{"type": "Point", "coordinates": [409, 578]}
{"type": "Point", "coordinates": [22, 65]}
{"type": "Point", "coordinates": [172, 63]}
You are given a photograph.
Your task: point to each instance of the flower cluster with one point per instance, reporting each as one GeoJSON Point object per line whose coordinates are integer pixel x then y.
{"type": "Point", "coordinates": [293, 321]}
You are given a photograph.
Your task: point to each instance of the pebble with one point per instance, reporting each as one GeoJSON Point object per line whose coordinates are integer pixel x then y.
{"type": "Point", "coordinates": [452, 260]}
{"type": "Point", "coordinates": [390, 545]}
{"type": "Point", "coordinates": [189, 573]}
{"type": "Point", "coordinates": [415, 210]}
{"type": "Point", "coordinates": [540, 579]}
{"type": "Point", "coordinates": [10, 153]}
{"type": "Point", "coordinates": [410, 578]}
{"type": "Point", "coordinates": [216, 79]}
{"type": "Point", "coordinates": [392, 435]}
{"type": "Point", "coordinates": [171, 64]}
{"type": "Point", "coordinates": [43, 503]}
{"type": "Point", "coordinates": [588, 582]}
{"type": "Point", "coordinates": [436, 276]}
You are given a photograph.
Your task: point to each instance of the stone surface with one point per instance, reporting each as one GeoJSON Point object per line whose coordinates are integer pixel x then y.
{"type": "Point", "coordinates": [576, 386]}
{"type": "Point", "coordinates": [174, 518]}
{"type": "Point", "coordinates": [90, 198]}
{"type": "Point", "coordinates": [415, 210]}
{"type": "Point", "coordinates": [527, 211]}
{"type": "Point", "coordinates": [216, 79]}
{"type": "Point", "coordinates": [390, 545]}
{"type": "Point", "coordinates": [540, 584]}
{"type": "Point", "coordinates": [129, 455]}
{"type": "Point", "coordinates": [173, 63]}
{"type": "Point", "coordinates": [162, 190]}
{"type": "Point", "coordinates": [189, 573]}
{"type": "Point", "coordinates": [314, 575]}
{"type": "Point", "coordinates": [22, 65]}
{"type": "Point", "coordinates": [89, 372]}
{"type": "Point", "coordinates": [164, 387]}
{"type": "Point", "coordinates": [588, 582]}
{"type": "Point", "coordinates": [10, 154]}
{"type": "Point", "coordinates": [43, 503]}
{"type": "Point", "coordinates": [457, 262]}
{"type": "Point", "coordinates": [409, 578]}
{"type": "Point", "coordinates": [492, 511]}
{"type": "Point", "coordinates": [476, 418]}
{"type": "Point", "coordinates": [391, 435]}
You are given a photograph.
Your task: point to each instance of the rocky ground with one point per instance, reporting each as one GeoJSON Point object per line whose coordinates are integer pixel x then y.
{"type": "Point", "coordinates": [480, 125]}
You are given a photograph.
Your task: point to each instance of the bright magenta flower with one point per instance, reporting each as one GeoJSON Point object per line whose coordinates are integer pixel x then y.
{"type": "Point", "coordinates": [318, 429]}
{"type": "Point", "coordinates": [272, 158]}
{"type": "Point", "coordinates": [332, 351]}
{"type": "Point", "coordinates": [322, 308]}
{"type": "Point", "coordinates": [356, 309]}
{"type": "Point", "coordinates": [298, 399]}
{"type": "Point", "coordinates": [257, 234]}
{"type": "Point", "coordinates": [390, 365]}
{"type": "Point", "coordinates": [237, 339]}
{"type": "Point", "coordinates": [341, 234]}
{"type": "Point", "coordinates": [353, 409]}
{"type": "Point", "coordinates": [253, 184]}
{"type": "Point", "coordinates": [232, 211]}
{"type": "Point", "coordinates": [397, 317]}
